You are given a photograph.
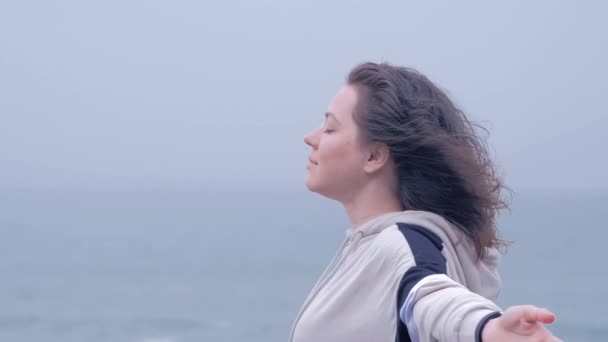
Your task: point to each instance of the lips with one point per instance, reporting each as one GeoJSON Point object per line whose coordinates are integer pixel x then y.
{"type": "Point", "coordinates": [312, 161]}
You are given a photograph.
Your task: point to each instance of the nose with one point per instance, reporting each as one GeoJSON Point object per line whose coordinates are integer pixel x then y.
{"type": "Point", "coordinates": [311, 139]}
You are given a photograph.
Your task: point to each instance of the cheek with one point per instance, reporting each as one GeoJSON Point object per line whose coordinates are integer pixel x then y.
{"type": "Point", "coordinates": [329, 152]}
{"type": "Point", "coordinates": [338, 155]}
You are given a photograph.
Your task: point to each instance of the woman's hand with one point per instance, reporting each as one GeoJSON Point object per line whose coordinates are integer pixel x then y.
{"type": "Point", "coordinates": [520, 323]}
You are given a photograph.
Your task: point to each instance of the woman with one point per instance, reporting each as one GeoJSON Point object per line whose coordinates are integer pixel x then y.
{"type": "Point", "coordinates": [421, 194]}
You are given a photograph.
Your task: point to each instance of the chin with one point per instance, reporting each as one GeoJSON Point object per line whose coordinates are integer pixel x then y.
{"type": "Point", "coordinates": [318, 189]}
{"type": "Point", "coordinates": [311, 185]}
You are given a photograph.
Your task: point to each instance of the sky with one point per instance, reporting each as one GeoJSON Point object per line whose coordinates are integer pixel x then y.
{"type": "Point", "coordinates": [106, 95]}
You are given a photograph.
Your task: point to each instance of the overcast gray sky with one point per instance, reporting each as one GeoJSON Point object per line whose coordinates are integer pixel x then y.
{"type": "Point", "coordinates": [190, 94]}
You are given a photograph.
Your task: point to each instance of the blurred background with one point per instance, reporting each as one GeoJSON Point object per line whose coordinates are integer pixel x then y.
{"type": "Point", "coordinates": [152, 157]}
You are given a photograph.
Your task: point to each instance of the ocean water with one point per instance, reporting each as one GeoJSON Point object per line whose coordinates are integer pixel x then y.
{"type": "Point", "coordinates": [235, 266]}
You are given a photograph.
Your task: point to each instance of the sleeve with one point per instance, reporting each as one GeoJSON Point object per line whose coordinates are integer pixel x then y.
{"type": "Point", "coordinates": [432, 306]}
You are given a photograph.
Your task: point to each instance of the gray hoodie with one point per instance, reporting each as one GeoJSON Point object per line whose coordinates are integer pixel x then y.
{"type": "Point", "coordinates": [402, 276]}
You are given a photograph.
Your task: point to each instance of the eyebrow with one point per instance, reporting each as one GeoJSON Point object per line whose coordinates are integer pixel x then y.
{"type": "Point", "coordinates": [328, 114]}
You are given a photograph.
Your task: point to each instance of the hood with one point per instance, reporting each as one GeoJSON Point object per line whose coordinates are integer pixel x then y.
{"type": "Point", "coordinates": [478, 275]}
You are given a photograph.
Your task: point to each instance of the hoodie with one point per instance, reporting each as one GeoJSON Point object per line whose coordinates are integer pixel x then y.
{"type": "Point", "coordinates": [402, 276]}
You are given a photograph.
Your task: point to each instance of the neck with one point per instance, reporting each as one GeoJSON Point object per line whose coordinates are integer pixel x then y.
{"type": "Point", "coordinates": [369, 203]}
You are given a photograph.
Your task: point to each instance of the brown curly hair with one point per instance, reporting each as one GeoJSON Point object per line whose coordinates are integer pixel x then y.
{"type": "Point", "coordinates": [442, 163]}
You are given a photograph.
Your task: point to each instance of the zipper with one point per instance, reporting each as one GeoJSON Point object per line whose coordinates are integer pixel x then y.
{"type": "Point", "coordinates": [326, 276]}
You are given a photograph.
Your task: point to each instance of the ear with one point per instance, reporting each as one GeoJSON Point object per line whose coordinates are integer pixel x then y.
{"type": "Point", "coordinates": [378, 155]}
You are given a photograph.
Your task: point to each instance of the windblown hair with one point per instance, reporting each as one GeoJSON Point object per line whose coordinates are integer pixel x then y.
{"type": "Point", "coordinates": [442, 163]}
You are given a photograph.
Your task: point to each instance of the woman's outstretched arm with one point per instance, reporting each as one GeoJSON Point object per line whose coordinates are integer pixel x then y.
{"type": "Point", "coordinates": [440, 309]}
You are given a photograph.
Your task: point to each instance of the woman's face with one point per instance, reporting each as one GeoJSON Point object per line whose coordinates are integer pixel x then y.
{"type": "Point", "coordinates": [335, 167]}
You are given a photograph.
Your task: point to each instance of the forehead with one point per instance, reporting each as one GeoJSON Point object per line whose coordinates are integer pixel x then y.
{"type": "Point", "coordinates": [344, 103]}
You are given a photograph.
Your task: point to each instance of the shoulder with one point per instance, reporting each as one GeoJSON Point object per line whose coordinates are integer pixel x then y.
{"type": "Point", "coordinates": [391, 247]}
{"type": "Point", "coordinates": [391, 240]}
{"type": "Point", "coordinates": [409, 244]}
{"type": "Point", "coordinates": [413, 237]}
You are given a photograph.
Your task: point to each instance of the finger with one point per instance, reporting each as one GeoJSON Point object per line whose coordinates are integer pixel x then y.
{"type": "Point", "coordinates": [544, 316]}
{"type": "Point", "coordinates": [534, 314]}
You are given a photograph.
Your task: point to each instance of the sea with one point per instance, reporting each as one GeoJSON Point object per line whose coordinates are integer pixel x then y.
{"type": "Point", "coordinates": [235, 265]}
